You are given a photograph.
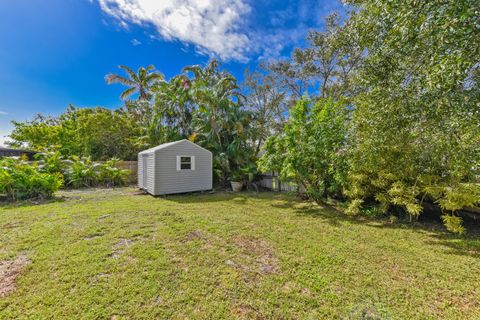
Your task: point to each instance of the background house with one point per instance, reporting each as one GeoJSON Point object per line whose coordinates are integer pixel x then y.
{"type": "Point", "coordinates": [9, 152]}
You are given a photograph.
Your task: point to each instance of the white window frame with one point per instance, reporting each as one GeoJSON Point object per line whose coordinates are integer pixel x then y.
{"type": "Point", "coordinates": [192, 163]}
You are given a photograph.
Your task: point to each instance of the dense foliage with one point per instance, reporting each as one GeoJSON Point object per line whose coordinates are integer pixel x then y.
{"type": "Point", "coordinates": [81, 172]}
{"type": "Point", "coordinates": [205, 105]}
{"type": "Point", "coordinates": [312, 149]}
{"type": "Point", "coordinates": [413, 87]}
{"type": "Point", "coordinates": [20, 180]}
{"type": "Point", "coordinates": [417, 118]}
{"type": "Point", "coordinates": [98, 133]}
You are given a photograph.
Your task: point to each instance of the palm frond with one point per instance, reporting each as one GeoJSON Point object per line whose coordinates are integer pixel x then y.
{"type": "Point", "coordinates": [141, 74]}
{"type": "Point", "coordinates": [154, 76]}
{"type": "Point", "coordinates": [127, 93]}
{"type": "Point", "coordinates": [131, 73]}
{"type": "Point", "coordinates": [197, 70]}
{"type": "Point", "coordinates": [115, 78]}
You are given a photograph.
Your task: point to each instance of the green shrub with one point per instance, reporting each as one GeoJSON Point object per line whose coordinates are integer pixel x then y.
{"type": "Point", "coordinates": [84, 173]}
{"type": "Point", "coordinates": [109, 175]}
{"type": "Point", "coordinates": [20, 180]}
{"type": "Point", "coordinates": [373, 211]}
{"type": "Point", "coordinates": [51, 162]}
{"type": "Point", "coordinates": [416, 116]}
{"type": "Point", "coordinates": [312, 148]}
{"type": "Point", "coordinates": [453, 223]}
{"type": "Point", "coordinates": [80, 172]}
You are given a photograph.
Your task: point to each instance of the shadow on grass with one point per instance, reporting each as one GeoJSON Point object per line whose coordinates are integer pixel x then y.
{"type": "Point", "coordinates": [432, 227]}
{"type": "Point", "coordinates": [30, 202]}
{"type": "Point", "coordinates": [214, 196]}
{"type": "Point", "coordinates": [467, 244]}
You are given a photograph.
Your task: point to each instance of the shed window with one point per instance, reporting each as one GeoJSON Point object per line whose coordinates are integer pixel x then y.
{"type": "Point", "coordinates": [185, 163]}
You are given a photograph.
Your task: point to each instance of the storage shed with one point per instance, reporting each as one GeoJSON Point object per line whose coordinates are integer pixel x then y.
{"type": "Point", "coordinates": [175, 167]}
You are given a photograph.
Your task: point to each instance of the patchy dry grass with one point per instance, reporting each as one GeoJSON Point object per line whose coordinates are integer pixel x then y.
{"type": "Point", "coordinates": [9, 272]}
{"type": "Point", "coordinates": [112, 254]}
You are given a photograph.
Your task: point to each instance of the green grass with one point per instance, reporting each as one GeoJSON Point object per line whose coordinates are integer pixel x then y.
{"type": "Point", "coordinates": [110, 254]}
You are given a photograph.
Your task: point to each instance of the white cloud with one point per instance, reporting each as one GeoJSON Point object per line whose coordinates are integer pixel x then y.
{"type": "Point", "coordinates": [215, 27]}
{"type": "Point", "coordinates": [135, 42]}
{"type": "Point", "coordinates": [3, 113]}
{"type": "Point", "coordinates": [226, 29]}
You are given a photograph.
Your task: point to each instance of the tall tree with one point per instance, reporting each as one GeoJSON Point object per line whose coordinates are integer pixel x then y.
{"type": "Point", "coordinates": [139, 82]}
{"type": "Point", "coordinates": [174, 105]}
{"type": "Point", "coordinates": [267, 102]}
{"type": "Point", "coordinates": [311, 148]}
{"type": "Point", "coordinates": [219, 121]}
{"type": "Point", "coordinates": [323, 68]}
{"type": "Point", "coordinates": [204, 104]}
{"type": "Point", "coordinates": [217, 95]}
{"type": "Point", "coordinates": [417, 116]}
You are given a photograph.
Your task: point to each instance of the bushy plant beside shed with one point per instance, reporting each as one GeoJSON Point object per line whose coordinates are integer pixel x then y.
{"type": "Point", "coordinates": [21, 179]}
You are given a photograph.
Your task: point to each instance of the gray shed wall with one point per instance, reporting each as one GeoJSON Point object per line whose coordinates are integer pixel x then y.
{"type": "Point", "coordinates": [168, 180]}
{"type": "Point", "coordinates": [149, 166]}
{"type": "Point", "coordinates": [140, 172]}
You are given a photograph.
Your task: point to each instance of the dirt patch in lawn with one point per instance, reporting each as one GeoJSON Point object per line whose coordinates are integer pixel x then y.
{"type": "Point", "coordinates": [138, 193]}
{"type": "Point", "coordinates": [193, 235]}
{"type": "Point", "coordinates": [11, 225]}
{"type": "Point", "coordinates": [257, 254]}
{"type": "Point", "coordinates": [10, 270]}
{"type": "Point", "coordinates": [120, 247]}
{"type": "Point", "coordinates": [243, 311]}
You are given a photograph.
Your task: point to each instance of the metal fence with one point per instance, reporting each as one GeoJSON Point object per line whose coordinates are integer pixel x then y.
{"type": "Point", "coordinates": [272, 182]}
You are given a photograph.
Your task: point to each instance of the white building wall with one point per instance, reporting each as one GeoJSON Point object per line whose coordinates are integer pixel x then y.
{"type": "Point", "coordinates": [169, 179]}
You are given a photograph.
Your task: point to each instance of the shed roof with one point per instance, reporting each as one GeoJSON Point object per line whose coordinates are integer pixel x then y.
{"type": "Point", "coordinates": [169, 144]}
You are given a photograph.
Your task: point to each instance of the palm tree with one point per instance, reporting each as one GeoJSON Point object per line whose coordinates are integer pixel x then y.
{"type": "Point", "coordinates": [217, 95]}
{"type": "Point", "coordinates": [222, 125]}
{"type": "Point", "coordinates": [140, 82]}
{"type": "Point", "coordinates": [174, 104]}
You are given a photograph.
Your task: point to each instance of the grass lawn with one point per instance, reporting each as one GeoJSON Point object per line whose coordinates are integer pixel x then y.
{"type": "Point", "coordinates": [111, 254]}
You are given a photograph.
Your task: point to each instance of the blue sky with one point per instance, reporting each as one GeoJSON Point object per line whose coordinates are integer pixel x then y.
{"type": "Point", "coordinates": [57, 52]}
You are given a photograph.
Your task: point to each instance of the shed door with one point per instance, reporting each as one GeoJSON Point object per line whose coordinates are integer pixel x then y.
{"type": "Point", "coordinates": [145, 170]}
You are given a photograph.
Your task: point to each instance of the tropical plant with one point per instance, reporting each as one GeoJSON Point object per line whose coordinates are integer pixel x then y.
{"type": "Point", "coordinates": [174, 105]}
{"type": "Point", "coordinates": [51, 162]}
{"type": "Point", "coordinates": [20, 180]}
{"type": "Point", "coordinates": [204, 104]}
{"type": "Point", "coordinates": [109, 175]}
{"type": "Point", "coordinates": [312, 151]}
{"type": "Point", "coordinates": [83, 173]}
{"type": "Point", "coordinates": [219, 122]}
{"type": "Point", "coordinates": [139, 82]}
{"type": "Point", "coordinates": [80, 172]}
